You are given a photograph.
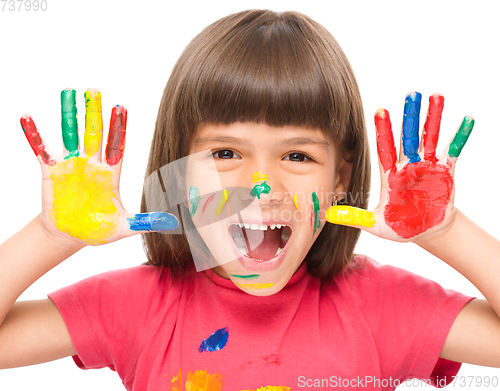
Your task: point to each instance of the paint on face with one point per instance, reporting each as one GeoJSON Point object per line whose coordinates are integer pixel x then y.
{"type": "Point", "coordinates": [432, 126]}
{"type": "Point", "coordinates": [116, 137]}
{"type": "Point", "coordinates": [254, 286]}
{"type": "Point", "coordinates": [83, 201]}
{"type": "Point", "coordinates": [385, 140]}
{"type": "Point", "coordinates": [222, 202]}
{"type": "Point", "coordinates": [210, 199]}
{"type": "Point", "coordinates": [194, 197]}
{"type": "Point", "coordinates": [197, 381]}
{"type": "Point", "coordinates": [411, 126]}
{"type": "Point", "coordinates": [215, 342]}
{"type": "Point", "coordinates": [93, 122]}
{"type": "Point", "coordinates": [69, 122]}
{"type": "Point", "coordinates": [349, 215]}
{"type": "Point", "coordinates": [317, 222]}
{"type": "Point", "coordinates": [295, 201]}
{"type": "Point", "coordinates": [259, 189]}
{"type": "Point", "coordinates": [247, 277]}
{"type": "Point", "coordinates": [33, 137]}
{"type": "Point", "coordinates": [154, 221]}
{"type": "Point", "coordinates": [422, 199]}
{"type": "Point", "coordinates": [257, 177]}
{"type": "Point", "coordinates": [461, 137]}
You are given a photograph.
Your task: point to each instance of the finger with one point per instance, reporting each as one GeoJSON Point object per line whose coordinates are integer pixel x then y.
{"type": "Point", "coordinates": [36, 142]}
{"type": "Point", "coordinates": [350, 216]}
{"type": "Point", "coordinates": [432, 126]}
{"type": "Point", "coordinates": [411, 123]}
{"type": "Point", "coordinates": [461, 137]}
{"type": "Point", "coordinates": [385, 140]}
{"type": "Point", "coordinates": [69, 122]}
{"type": "Point", "coordinates": [93, 123]}
{"type": "Point", "coordinates": [116, 137]}
{"type": "Point", "coordinates": [153, 222]}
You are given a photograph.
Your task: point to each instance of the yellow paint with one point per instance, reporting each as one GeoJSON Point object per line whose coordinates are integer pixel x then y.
{"type": "Point", "coordinates": [197, 381]}
{"type": "Point", "coordinates": [349, 215]}
{"type": "Point", "coordinates": [254, 286]}
{"type": "Point", "coordinates": [381, 113]}
{"type": "Point", "coordinates": [93, 122]}
{"type": "Point", "coordinates": [271, 388]}
{"type": "Point", "coordinates": [257, 177]}
{"type": "Point", "coordinates": [83, 200]}
{"type": "Point", "coordinates": [295, 201]}
{"type": "Point", "coordinates": [222, 202]}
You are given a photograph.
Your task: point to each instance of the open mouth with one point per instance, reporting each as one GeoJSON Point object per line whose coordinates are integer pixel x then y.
{"type": "Point", "coordinates": [275, 238]}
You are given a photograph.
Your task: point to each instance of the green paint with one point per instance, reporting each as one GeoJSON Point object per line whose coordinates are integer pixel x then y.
{"type": "Point", "coordinates": [249, 277]}
{"type": "Point", "coordinates": [317, 222]}
{"type": "Point", "coordinates": [194, 197]}
{"type": "Point", "coordinates": [259, 189]}
{"type": "Point", "coordinates": [461, 137]}
{"type": "Point", "coordinates": [69, 122]}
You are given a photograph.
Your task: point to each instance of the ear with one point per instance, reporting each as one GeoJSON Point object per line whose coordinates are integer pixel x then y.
{"type": "Point", "coordinates": [343, 177]}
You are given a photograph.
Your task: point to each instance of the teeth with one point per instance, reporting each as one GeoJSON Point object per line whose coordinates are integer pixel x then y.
{"type": "Point", "coordinates": [263, 227]}
{"type": "Point", "coordinates": [278, 251]}
{"type": "Point", "coordinates": [247, 226]}
{"type": "Point", "coordinates": [285, 235]}
{"type": "Point", "coordinates": [241, 225]}
{"type": "Point", "coordinates": [278, 225]}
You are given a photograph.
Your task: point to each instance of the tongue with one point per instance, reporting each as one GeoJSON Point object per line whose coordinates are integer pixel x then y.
{"type": "Point", "coordinates": [268, 247]}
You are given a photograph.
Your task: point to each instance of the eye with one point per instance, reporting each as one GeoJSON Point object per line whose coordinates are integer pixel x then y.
{"type": "Point", "coordinates": [297, 157]}
{"type": "Point", "coordinates": [225, 154]}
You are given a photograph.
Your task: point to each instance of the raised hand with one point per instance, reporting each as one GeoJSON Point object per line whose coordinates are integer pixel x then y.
{"type": "Point", "coordinates": [417, 192]}
{"type": "Point", "coordinates": [80, 193]}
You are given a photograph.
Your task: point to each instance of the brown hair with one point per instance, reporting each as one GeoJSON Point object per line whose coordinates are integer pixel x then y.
{"type": "Point", "coordinates": [265, 67]}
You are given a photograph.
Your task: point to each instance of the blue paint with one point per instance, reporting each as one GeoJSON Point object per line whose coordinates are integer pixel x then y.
{"type": "Point", "coordinates": [215, 342]}
{"type": "Point", "coordinates": [194, 197]}
{"type": "Point", "coordinates": [411, 126]}
{"type": "Point", "coordinates": [155, 221]}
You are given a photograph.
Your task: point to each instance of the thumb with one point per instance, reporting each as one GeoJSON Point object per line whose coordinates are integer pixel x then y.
{"type": "Point", "coordinates": [350, 216]}
{"type": "Point", "coordinates": [153, 222]}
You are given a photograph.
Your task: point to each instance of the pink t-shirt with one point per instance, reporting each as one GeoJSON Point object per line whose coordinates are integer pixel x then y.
{"type": "Point", "coordinates": [368, 328]}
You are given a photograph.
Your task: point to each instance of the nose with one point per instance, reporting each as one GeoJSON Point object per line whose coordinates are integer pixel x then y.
{"type": "Point", "coordinates": [267, 188]}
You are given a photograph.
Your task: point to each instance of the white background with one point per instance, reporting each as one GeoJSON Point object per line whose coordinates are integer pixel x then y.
{"type": "Point", "coordinates": [127, 49]}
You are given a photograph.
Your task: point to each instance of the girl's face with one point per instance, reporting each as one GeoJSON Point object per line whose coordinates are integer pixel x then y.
{"type": "Point", "coordinates": [262, 168]}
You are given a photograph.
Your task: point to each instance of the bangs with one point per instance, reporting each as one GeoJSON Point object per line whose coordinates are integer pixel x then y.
{"type": "Point", "coordinates": [266, 70]}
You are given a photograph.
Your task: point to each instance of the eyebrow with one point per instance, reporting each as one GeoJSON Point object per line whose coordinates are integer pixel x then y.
{"type": "Point", "coordinates": [286, 143]}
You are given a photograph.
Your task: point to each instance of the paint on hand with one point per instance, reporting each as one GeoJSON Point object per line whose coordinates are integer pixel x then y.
{"type": "Point", "coordinates": [36, 142]}
{"type": "Point", "coordinates": [222, 202]}
{"type": "Point", "coordinates": [194, 197]}
{"type": "Point", "coordinates": [247, 277]}
{"type": "Point", "coordinates": [69, 122]}
{"type": "Point", "coordinates": [349, 215]}
{"type": "Point", "coordinates": [271, 388]}
{"type": "Point", "coordinates": [257, 177]}
{"type": "Point", "coordinates": [254, 286]}
{"type": "Point", "coordinates": [411, 126]}
{"type": "Point", "coordinates": [259, 189]}
{"type": "Point", "coordinates": [295, 201]}
{"type": "Point", "coordinates": [432, 126]}
{"type": "Point", "coordinates": [461, 137]}
{"type": "Point", "coordinates": [418, 197]}
{"type": "Point", "coordinates": [93, 121]}
{"type": "Point", "coordinates": [197, 381]}
{"type": "Point", "coordinates": [116, 136]}
{"type": "Point", "coordinates": [83, 200]}
{"type": "Point", "coordinates": [385, 140]}
{"type": "Point", "coordinates": [153, 222]}
{"type": "Point", "coordinates": [317, 222]}
{"type": "Point", "coordinates": [215, 342]}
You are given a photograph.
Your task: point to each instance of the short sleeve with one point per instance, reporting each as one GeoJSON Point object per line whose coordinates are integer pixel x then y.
{"type": "Point", "coordinates": [410, 317]}
{"type": "Point", "coordinates": [109, 316]}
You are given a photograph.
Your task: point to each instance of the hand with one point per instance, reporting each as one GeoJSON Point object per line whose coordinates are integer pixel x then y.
{"type": "Point", "coordinates": [80, 193]}
{"type": "Point", "coordinates": [416, 197]}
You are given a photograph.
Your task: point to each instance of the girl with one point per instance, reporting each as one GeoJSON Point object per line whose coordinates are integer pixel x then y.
{"type": "Point", "coordinates": [273, 100]}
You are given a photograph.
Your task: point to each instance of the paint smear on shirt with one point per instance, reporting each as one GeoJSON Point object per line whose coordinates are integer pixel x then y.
{"type": "Point", "coordinates": [254, 286]}
{"type": "Point", "coordinates": [83, 200]}
{"type": "Point", "coordinates": [197, 381]}
{"type": "Point", "coordinates": [215, 342]}
{"type": "Point", "coordinates": [271, 388]}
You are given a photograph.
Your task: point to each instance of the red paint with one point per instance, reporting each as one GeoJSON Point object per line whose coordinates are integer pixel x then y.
{"type": "Point", "coordinates": [116, 136]}
{"type": "Point", "coordinates": [274, 359]}
{"type": "Point", "coordinates": [418, 198]}
{"type": "Point", "coordinates": [432, 126]}
{"type": "Point", "coordinates": [210, 199]}
{"type": "Point", "coordinates": [35, 140]}
{"type": "Point", "coordinates": [385, 140]}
